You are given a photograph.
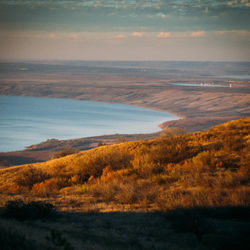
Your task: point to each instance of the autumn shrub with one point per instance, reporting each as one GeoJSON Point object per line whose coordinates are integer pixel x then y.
{"type": "Point", "coordinates": [41, 189]}
{"type": "Point", "coordinates": [95, 163]}
{"type": "Point", "coordinates": [84, 188]}
{"type": "Point", "coordinates": [176, 198]}
{"type": "Point", "coordinates": [64, 152]}
{"type": "Point", "coordinates": [243, 175]}
{"type": "Point", "coordinates": [125, 191]}
{"type": "Point", "coordinates": [173, 149]}
{"type": "Point", "coordinates": [233, 143]}
{"type": "Point", "coordinates": [105, 191]}
{"type": "Point", "coordinates": [46, 188]}
{"type": "Point", "coordinates": [30, 176]}
{"type": "Point", "coordinates": [128, 193]}
{"type": "Point", "coordinates": [151, 159]}
{"type": "Point", "coordinates": [161, 179]}
{"type": "Point", "coordinates": [240, 196]}
{"type": "Point", "coordinates": [142, 166]}
{"type": "Point", "coordinates": [125, 187]}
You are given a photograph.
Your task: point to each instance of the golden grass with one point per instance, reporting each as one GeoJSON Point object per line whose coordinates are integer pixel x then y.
{"type": "Point", "coordinates": [200, 169]}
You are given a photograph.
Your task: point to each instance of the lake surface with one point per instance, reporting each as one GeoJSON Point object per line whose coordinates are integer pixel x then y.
{"type": "Point", "coordinates": [197, 84]}
{"type": "Point", "coordinates": [30, 120]}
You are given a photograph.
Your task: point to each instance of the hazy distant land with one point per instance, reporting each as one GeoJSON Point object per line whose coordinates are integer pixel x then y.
{"type": "Point", "coordinates": [202, 93]}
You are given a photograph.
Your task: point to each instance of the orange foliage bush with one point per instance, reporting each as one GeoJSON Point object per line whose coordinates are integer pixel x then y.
{"type": "Point", "coordinates": [45, 188]}
{"type": "Point", "coordinates": [30, 176]}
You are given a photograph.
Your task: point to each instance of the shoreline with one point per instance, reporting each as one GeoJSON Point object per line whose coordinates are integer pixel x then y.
{"type": "Point", "coordinates": [182, 116]}
{"type": "Point", "coordinates": [158, 127]}
{"type": "Point", "coordinates": [197, 109]}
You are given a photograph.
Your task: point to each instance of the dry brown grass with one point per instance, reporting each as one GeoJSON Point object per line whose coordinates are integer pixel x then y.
{"type": "Point", "coordinates": [200, 169]}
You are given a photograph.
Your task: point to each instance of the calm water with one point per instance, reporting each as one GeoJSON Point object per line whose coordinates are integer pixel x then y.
{"type": "Point", "coordinates": [29, 120]}
{"type": "Point", "coordinates": [198, 85]}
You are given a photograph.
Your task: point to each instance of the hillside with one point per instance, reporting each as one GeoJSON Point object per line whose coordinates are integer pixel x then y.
{"type": "Point", "coordinates": [170, 171]}
{"type": "Point", "coordinates": [146, 194]}
{"type": "Point", "coordinates": [48, 149]}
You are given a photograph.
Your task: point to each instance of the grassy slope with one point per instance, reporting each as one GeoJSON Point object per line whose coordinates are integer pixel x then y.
{"type": "Point", "coordinates": [199, 182]}
{"type": "Point", "coordinates": [205, 169]}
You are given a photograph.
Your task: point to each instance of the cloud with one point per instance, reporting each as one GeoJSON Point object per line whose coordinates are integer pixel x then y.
{"type": "Point", "coordinates": [161, 15]}
{"type": "Point", "coordinates": [197, 33]}
{"type": "Point", "coordinates": [164, 35]}
{"type": "Point", "coordinates": [124, 15]}
{"type": "Point", "coordinates": [181, 35]}
{"type": "Point", "coordinates": [137, 34]}
{"type": "Point", "coordinates": [120, 36]}
{"type": "Point", "coordinates": [60, 35]}
{"type": "Point", "coordinates": [74, 36]}
{"type": "Point", "coordinates": [245, 2]}
{"type": "Point", "coordinates": [225, 45]}
{"type": "Point", "coordinates": [160, 5]}
{"type": "Point", "coordinates": [232, 2]}
{"type": "Point", "coordinates": [54, 36]}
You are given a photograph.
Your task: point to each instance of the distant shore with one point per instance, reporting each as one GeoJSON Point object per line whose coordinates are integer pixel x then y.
{"type": "Point", "coordinates": [199, 107]}
{"type": "Point", "coordinates": [46, 150]}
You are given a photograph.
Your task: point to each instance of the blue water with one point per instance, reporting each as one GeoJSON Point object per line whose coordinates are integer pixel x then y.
{"type": "Point", "coordinates": [197, 84]}
{"type": "Point", "coordinates": [30, 120]}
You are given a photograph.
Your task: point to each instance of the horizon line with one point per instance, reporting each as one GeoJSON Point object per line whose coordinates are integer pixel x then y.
{"type": "Point", "coordinates": [119, 60]}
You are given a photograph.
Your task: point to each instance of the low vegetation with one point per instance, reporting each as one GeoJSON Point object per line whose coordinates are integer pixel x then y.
{"type": "Point", "coordinates": [65, 151]}
{"type": "Point", "coordinates": [194, 186]}
{"type": "Point", "coordinates": [13, 239]}
{"type": "Point", "coordinates": [20, 210]}
{"type": "Point", "coordinates": [175, 170]}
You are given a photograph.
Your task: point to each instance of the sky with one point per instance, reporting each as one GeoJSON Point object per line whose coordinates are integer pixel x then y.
{"type": "Point", "coordinates": [194, 30]}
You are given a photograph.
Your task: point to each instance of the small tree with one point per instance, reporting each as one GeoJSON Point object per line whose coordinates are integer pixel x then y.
{"type": "Point", "coordinates": [64, 152]}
